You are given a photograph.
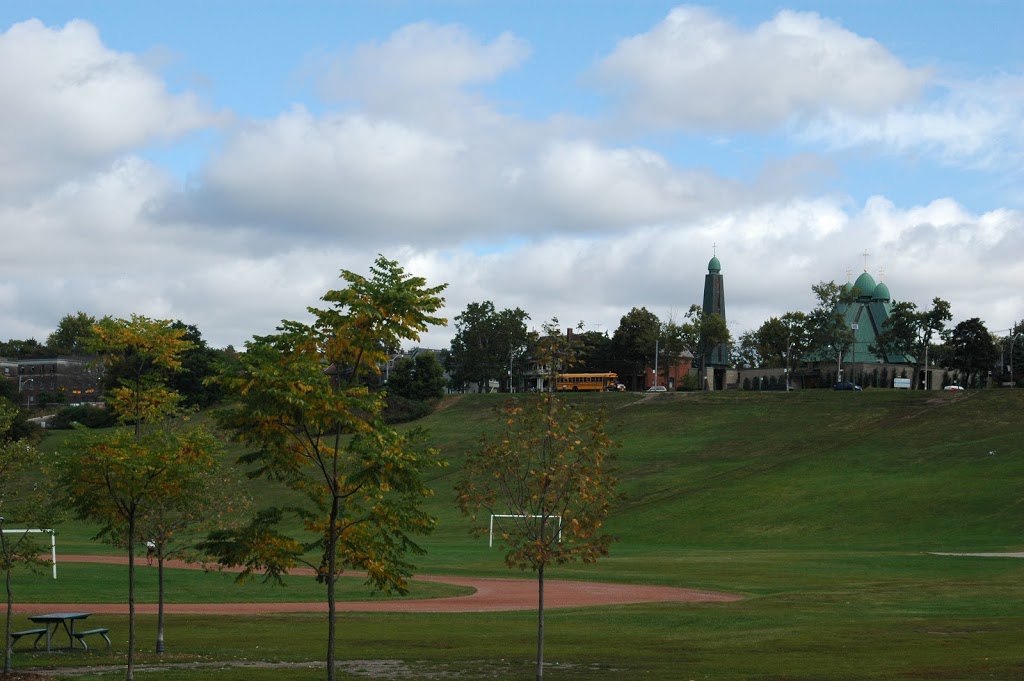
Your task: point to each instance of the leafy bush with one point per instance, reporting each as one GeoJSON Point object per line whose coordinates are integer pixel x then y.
{"type": "Point", "coordinates": [91, 417]}
{"type": "Point", "coordinates": [402, 410]}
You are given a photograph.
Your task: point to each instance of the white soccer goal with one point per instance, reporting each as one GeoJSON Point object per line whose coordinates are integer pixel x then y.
{"type": "Point", "coordinates": [490, 541]}
{"type": "Point", "coordinates": [53, 544]}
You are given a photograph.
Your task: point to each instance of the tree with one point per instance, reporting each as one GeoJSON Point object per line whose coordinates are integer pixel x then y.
{"type": "Point", "coordinates": [972, 350]}
{"type": "Point", "coordinates": [195, 495]}
{"type": "Point", "coordinates": [633, 342]}
{"type": "Point", "coordinates": [119, 478]}
{"type": "Point", "coordinates": [596, 354]}
{"type": "Point", "coordinates": [420, 377]}
{"type": "Point", "coordinates": [23, 501]}
{"type": "Point", "coordinates": [828, 333]}
{"type": "Point", "coordinates": [23, 349]}
{"type": "Point", "coordinates": [311, 424]}
{"type": "Point", "coordinates": [143, 351]}
{"type": "Point", "coordinates": [74, 335]}
{"type": "Point", "coordinates": [909, 332]}
{"type": "Point", "coordinates": [781, 341]}
{"type": "Point", "coordinates": [1011, 362]}
{"type": "Point", "coordinates": [485, 344]}
{"type": "Point", "coordinates": [198, 363]}
{"type": "Point", "coordinates": [549, 469]}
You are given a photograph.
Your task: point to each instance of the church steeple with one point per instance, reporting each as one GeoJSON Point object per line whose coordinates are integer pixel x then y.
{"type": "Point", "coordinates": [716, 357]}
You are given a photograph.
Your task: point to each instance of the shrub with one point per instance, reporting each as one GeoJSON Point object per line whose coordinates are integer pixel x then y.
{"type": "Point", "coordinates": [91, 417]}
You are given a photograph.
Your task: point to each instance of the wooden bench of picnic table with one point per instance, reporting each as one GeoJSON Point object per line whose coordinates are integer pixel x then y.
{"type": "Point", "coordinates": [41, 632]}
{"type": "Point", "coordinates": [80, 635]}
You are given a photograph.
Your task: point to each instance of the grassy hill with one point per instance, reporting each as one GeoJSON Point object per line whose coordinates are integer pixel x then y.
{"type": "Point", "coordinates": [872, 470]}
{"type": "Point", "coordinates": [821, 508]}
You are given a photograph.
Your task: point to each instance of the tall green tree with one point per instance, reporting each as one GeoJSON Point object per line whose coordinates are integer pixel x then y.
{"type": "Point", "coordinates": [595, 355]}
{"type": "Point", "coordinates": [634, 341]}
{"type": "Point", "coordinates": [310, 423]}
{"type": "Point", "coordinates": [24, 497]}
{"type": "Point", "coordinates": [829, 334]}
{"type": "Point", "coordinates": [486, 344]}
{"type": "Point", "coordinates": [75, 335]}
{"type": "Point", "coordinates": [910, 332]}
{"type": "Point", "coordinates": [199, 362]}
{"type": "Point", "coordinates": [426, 379]}
{"type": "Point", "coordinates": [547, 469]}
{"type": "Point", "coordinates": [782, 341]}
{"type": "Point", "coordinates": [973, 352]}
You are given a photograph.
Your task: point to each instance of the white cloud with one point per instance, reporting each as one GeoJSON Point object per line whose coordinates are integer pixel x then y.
{"type": "Point", "coordinates": [72, 105]}
{"type": "Point", "coordinates": [695, 70]}
{"type": "Point", "coordinates": [357, 179]}
{"type": "Point", "coordinates": [422, 70]}
{"type": "Point", "coordinates": [974, 124]}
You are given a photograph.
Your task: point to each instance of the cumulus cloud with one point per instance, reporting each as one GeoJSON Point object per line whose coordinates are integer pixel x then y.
{"type": "Point", "coordinates": [974, 124]}
{"type": "Point", "coordinates": [355, 178]}
{"type": "Point", "coordinates": [422, 70]}
{"type": "Point", "coordinates": [694, 70]}
{"type": "Point", "coordinates": [72, 104]}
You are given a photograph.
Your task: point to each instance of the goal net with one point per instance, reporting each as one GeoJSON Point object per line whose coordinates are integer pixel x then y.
{"type": "Point", "coordinates": [523, 516]}
{"type": "Point", "coordinates": [53, 543]}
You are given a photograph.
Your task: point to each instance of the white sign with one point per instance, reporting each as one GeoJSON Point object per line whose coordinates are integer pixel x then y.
{"type": "Point", "coordinates": [903, 383]}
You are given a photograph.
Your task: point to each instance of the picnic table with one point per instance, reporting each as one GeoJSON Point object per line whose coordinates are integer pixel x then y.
{"type": "Point", "coordinates": [55, 620]}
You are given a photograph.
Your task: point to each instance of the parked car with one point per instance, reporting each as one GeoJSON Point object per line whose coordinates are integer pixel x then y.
{"type": "Point", "coordinates": [657, 389]}
{"type": "Point", "coordinates": [953, 387]}
{"type": "Point", "coordinates": [846, 385]}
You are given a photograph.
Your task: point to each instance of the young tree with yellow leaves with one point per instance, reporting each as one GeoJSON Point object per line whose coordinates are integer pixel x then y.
{"type": "Point", "coordinates": [544, 477]}
{"type": "Point", "coordinates": [120, 479]}
{"type": "Point", "coordinates": [312, 425]}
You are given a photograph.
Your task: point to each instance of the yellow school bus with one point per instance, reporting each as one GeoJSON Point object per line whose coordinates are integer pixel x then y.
{"type": "Point", "coordinates": [580, 382]}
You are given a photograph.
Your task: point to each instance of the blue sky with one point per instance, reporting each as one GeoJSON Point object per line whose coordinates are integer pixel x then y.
{"type": "Point", "coordinates": [219, 163]}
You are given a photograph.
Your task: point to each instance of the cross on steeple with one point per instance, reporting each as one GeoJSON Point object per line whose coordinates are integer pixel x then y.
{"type": "Point", "coordinates": [881, 273]}
{"type": "Point", "coordinates": [714, 249]}
{"type": "Point", "coordinates": [866, 254]}
{"type": "Point", "coordinates": [849, 275]}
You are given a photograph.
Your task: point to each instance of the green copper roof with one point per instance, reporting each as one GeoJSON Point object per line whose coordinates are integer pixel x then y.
{"type": "Point", "coordinates": [714, 266]}
{"type": "Point", "coordinates": [881, 292]}
{"type": "Point", "coordinates": [865, 284]}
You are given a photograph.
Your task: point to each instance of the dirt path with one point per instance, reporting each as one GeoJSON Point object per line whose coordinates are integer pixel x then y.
{"type": "Point", "coordinates": [490, 595]}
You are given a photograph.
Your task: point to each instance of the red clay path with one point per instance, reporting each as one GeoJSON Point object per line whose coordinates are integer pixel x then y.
{"type": "Point", "coordinates": [491, 594]}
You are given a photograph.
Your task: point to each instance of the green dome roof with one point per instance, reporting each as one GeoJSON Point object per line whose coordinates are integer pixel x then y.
{"type": "Point", "coordinates": [714, 267]}
{"type": "Point", "coordinates": [865, 284]}
{"type": "Point", "coordinates": [881, 292]}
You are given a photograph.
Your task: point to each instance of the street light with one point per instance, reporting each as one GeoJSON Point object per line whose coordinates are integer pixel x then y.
{"type": "Point", "coordinates": [22, 382]}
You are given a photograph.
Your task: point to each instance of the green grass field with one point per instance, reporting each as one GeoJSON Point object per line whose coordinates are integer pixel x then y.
{"type": "Point", "coordinates": [822, 508]}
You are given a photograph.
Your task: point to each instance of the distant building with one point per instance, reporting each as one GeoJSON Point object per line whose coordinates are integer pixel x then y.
{"type": "Point", "coordinates": [712, 364]}
{"type": "Point", "coordinates": [70, 380]}
{"type": "Point", "coordinates": [867, 317]}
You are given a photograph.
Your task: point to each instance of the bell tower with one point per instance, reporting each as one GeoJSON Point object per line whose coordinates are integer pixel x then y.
{"type": "Point", "coordinates": [714, 360]}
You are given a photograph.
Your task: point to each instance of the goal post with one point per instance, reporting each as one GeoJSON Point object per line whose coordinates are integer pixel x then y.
{"type": "Point", "coordinates": [53, 543]}
{"type": "Point", "coordinates": [490, 541]}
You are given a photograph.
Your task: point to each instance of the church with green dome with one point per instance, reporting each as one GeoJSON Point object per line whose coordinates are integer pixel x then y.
{"type": "Point", "coordinates": [867, 316]}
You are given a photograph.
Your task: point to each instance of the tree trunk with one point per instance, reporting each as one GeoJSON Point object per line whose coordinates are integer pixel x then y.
{"type": "Point", "coordinates": [160, 603]}
{"type": "Point", "coordinates": [130, 675]}
{"type": "Point", "coordinates": [540, 622]}
{"type": "Point", "coordinates": [8, 643]}
{"type": "Point", "coordinates": [332, 611]}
